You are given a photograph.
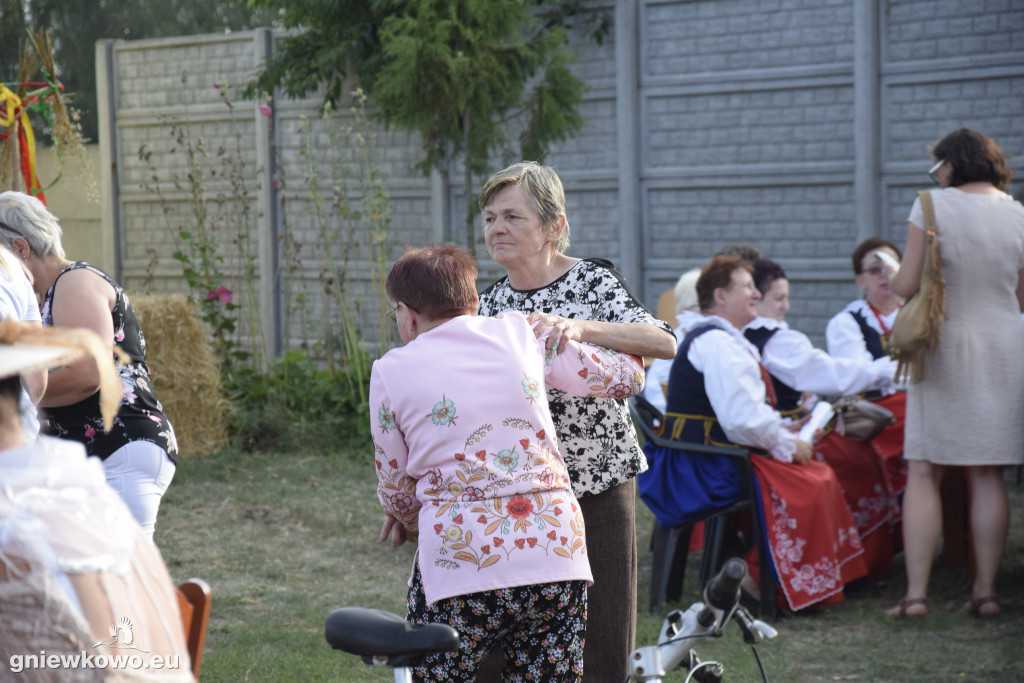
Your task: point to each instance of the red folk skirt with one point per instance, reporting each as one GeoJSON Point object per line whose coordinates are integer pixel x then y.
{"type": "Point", "coordinates": [812, 538]}
{"type": "Point", "coordinates": [873, 506]}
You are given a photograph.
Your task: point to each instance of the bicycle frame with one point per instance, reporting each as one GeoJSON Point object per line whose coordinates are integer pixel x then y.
{"type": "Point", "coordinates": [681, 631]}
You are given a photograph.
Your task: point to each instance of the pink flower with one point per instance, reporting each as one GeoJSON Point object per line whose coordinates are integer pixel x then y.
{"type": "Point", "coordinates": [265, 109]}
{"type": "Point", "coordinates": [351, 93]}
{"type": "Point", "coordinates": [89, 431]}
{"type": "Point", "coordinates": [222, 294]}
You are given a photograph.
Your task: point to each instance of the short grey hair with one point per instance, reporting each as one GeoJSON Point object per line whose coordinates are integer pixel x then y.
{"type": "Point", "coordinates": [24, 216]}
{"type": "Point", "coordinates": [541, 184]}
{"type": "Point", "coordinates": [685, 291]}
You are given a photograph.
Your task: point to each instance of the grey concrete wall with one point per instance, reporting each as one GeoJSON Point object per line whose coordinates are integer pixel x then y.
{"type": "Point", "coordinates": [802, 125]}
{"type": "Point", "coordinates": [798, 125]}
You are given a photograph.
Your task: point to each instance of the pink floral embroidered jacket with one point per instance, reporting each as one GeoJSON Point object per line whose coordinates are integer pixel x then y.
{"type": "Point", "coordinates": [466, 452]}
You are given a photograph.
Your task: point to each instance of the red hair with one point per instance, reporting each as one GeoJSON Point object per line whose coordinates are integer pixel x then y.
{"type": "Point", "coordinates": [437, 282]}
{"type": "Point", "coordinates": [717, 274]}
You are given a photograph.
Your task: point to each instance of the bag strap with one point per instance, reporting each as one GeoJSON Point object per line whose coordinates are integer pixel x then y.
{"type": "Point", "coordinates": [929, 212]}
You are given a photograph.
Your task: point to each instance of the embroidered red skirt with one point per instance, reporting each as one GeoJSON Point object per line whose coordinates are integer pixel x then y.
{"type": "Point", "coordinates": [861, 474]}
{"type": "Point", "coordinates": [812, 538]}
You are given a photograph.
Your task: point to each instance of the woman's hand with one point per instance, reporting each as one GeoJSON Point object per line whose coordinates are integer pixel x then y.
{"type": "Point", "coordinates": [636, 339]}
{"type": "Point", "coordinates": [890, 266]}
{"type": "Point", "coordinates": [563, 330]}
{"type": "Point", "coordinates": [395, 531]}
{"type": "Point", "coordinates": [802, 454]}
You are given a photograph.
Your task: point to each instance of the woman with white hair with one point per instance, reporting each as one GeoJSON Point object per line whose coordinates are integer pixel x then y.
{"type": "Point", "coordinates": [687, 314]}
{"type": "Point", "coordinates": [140, 453]}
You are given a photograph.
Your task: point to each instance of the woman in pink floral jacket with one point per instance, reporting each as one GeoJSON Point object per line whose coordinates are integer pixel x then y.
{"type": "Point", "coordinates": [466, 458]}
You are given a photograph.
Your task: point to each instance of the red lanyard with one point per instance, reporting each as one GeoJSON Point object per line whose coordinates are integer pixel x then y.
{"type": "Point", "coordinates": [881, 323]}
{"type": "Point", "coordinates": [769, 385]}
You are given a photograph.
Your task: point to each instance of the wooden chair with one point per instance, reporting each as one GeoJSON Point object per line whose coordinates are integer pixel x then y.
{"type": "Point", "coordinates": [194, 602]}
{"type": "Point", "coordinates": [667, 307]}
{"type": "Point", "coordinates": [670, 545]}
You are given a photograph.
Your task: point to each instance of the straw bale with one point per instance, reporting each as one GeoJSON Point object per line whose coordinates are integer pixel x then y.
{"type": "Point", "coordinates": [184, 370]}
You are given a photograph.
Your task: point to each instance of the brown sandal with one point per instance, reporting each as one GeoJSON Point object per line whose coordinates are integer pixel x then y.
{"type": "Point", "coordinates": [974, 605]}
{"type": "Point", "coordinates": [900, 610]}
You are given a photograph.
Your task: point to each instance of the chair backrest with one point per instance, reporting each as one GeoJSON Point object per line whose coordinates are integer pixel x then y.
{"type": "Point", "coordinates": [645, 414]}
{"type": "Point", "coordinates": [194, 601]}
{"type": "Point", "coordinates": [667, 307]}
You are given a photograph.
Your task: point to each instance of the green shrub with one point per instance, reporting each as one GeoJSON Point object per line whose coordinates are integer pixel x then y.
{"type": "Point", "coordinates": [296, 405]}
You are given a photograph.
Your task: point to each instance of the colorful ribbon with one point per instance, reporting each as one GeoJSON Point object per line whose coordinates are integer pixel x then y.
{"type": "Point", "coordinates": [14, 111]}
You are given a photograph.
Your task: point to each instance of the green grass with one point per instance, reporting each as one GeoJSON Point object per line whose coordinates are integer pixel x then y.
{"type": "Point", "coordinates": [284, 539]}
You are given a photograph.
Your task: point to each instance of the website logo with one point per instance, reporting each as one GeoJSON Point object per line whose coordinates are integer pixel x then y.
{"type": "Point", "coordinates": [121, 636]}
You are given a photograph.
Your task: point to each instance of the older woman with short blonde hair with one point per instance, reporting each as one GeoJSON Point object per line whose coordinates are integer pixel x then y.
{"type": "Point", "coordinates": [527, 233]}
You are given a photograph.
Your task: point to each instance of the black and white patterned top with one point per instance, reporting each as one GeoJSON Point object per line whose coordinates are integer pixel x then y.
{"type": "Point", "coordinates": [595, 435]}
{"type": "Point", "coordinates": [140, 417]}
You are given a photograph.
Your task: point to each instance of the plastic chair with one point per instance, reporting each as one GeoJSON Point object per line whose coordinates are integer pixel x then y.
{"type": "Point", "coordinates": [194, 602]}
{"type": "Point", "coordinates": [670, 544]}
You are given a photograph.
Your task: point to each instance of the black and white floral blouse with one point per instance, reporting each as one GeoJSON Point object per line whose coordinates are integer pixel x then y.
{"type": "Point", "coordinates": [140, 417]}
{"type": "Point", "coordinates": [595, 435]}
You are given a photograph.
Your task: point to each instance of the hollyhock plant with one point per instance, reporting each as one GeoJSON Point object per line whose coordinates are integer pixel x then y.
{"type": "Point", "coordinates": [222, 294]}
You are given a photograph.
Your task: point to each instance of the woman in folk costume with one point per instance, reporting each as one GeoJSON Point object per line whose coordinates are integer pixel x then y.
{"type": "Point", "coordinates": [861, 332]}
{"type": "Point", "coordinates": [720, 394]}
{"type": "Point", "coordinates": [798, 369]}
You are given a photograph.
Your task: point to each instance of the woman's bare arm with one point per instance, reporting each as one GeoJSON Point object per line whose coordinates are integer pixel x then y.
{"type": "Point", "coordinates": [81, 299]}
{"type": "Point", "coordinates": [907, 280]}
{"type": "Point", "coordinates": [638, 339]}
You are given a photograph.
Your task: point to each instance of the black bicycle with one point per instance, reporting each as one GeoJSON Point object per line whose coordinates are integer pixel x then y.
{"type": "Point", "coordinates": [385, 639]}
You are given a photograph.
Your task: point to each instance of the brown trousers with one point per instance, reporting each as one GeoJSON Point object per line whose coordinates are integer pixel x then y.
{"type": "Point", "coordinates": [611, 617]}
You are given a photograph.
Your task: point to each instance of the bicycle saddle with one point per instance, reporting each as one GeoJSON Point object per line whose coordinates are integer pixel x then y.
{"type": "Point", "coordinates": [376, 633]}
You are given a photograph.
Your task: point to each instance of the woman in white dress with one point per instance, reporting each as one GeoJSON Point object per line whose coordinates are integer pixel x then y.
{"type": "Point", "coordinates": [80, 583]}
{"type": "Point", "coordinates": [966, 409]}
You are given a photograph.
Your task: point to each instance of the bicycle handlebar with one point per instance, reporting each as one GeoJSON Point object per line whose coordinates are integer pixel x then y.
{"type": "Point", "coordinates": [723, 591]}
{"type": "Point", "coordinates": [681, 630]}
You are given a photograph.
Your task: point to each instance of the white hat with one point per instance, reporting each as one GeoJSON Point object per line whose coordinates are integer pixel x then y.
{"type": "Point", "coordinates": [19, 359]}
{"type": "Point", "coordinates": [27, 348]}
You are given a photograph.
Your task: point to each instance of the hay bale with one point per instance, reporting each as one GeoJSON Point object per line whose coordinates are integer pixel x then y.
{"type": "Point", "coordinates": [184, 370]}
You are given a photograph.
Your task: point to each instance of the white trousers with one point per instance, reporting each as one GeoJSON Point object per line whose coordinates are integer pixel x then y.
{"type": "Point", "coordinates": [140, 472]}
